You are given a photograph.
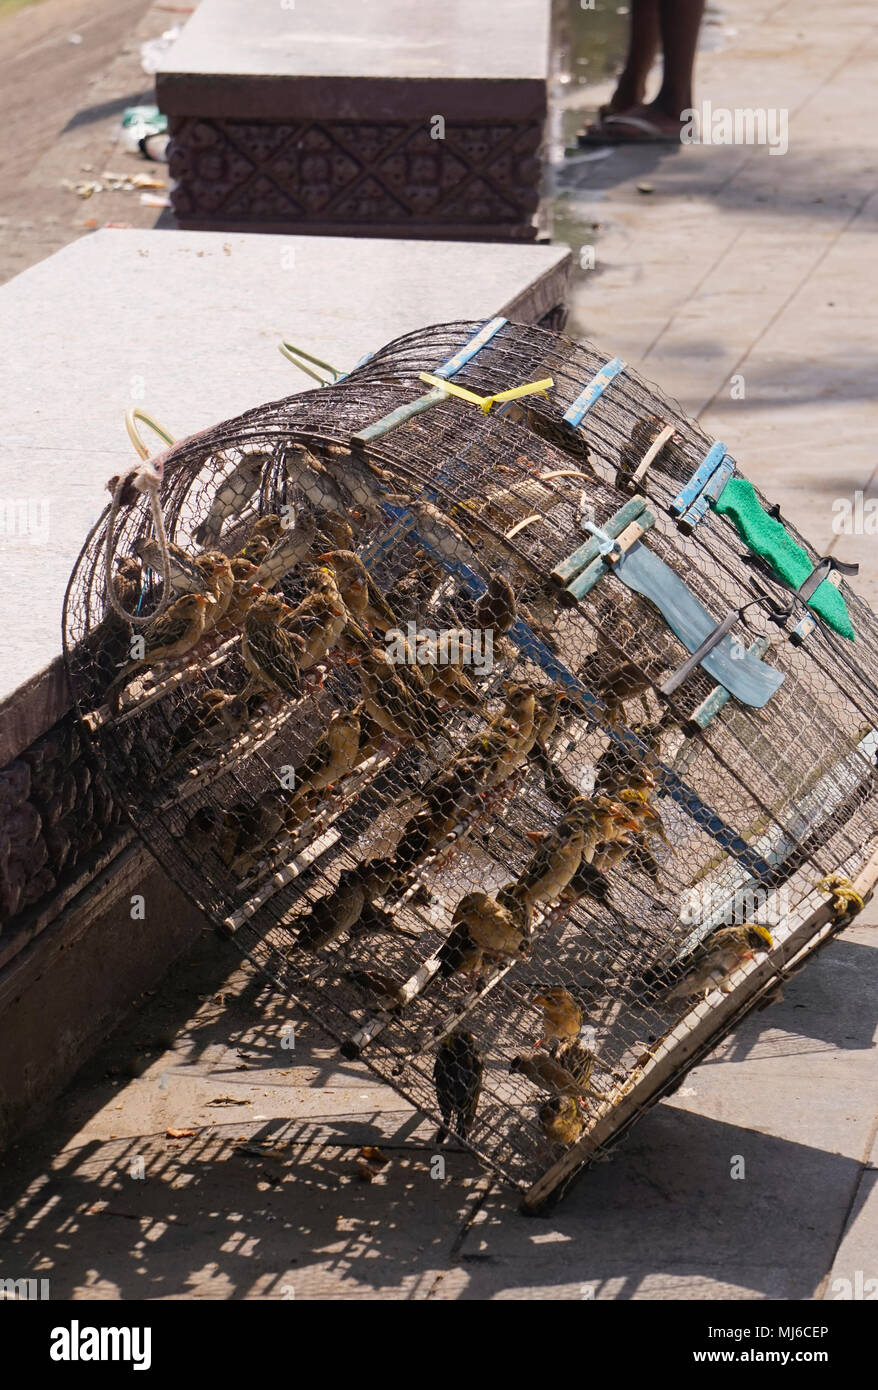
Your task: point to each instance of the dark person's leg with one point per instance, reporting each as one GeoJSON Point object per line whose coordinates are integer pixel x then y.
{"type": "Point", "coordinates": [679, 23]}
{"type": "Point", "coordinates": [643, 42]}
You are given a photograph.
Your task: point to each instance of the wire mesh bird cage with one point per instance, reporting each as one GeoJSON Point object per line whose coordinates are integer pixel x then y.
{"type": "Point", "coordinates": [484, 730]}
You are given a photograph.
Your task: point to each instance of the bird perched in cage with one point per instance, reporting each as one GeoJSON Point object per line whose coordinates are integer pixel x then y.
{"type": "Point", "coordinates": [411, 591]}
{"type": "Point", "coordinates": [333, 756]}
{"type": "Point", "coordinates": [263, 534]}
{"type": "Point", "coordinates": [360, 593]}
{"type": "Point", "coordinates": [490, 925]}
{"type": "Point", "coordinates": [642, 857]}
{"type": "Point", "coordinates": [512, 733]}
{"type": "Point", "coordinates": [369, 485]}
{"type": "Point", "coordinates": [331, 916]}
{"type": "Point", "coordinates": [496, 609]}
{"type": "Point", "coordinates": [561, 1120]}
{"type": "Point", "coordinates": [173, 633]}
{"type": "Point", "coordinates": [589, 880]}
{"type": "Point", "coordinates": [717, 957]}
{"type": "Point", "coordinates": [577, 1059]}
{"type": "Point", "coordinates": [441, 662]}
{"type": "Point", "coordinates": [232, 495]}
{"type": "Point", "coordinates": [449, 794]}
{"type": "Point", "coordinates": [546, 1072]}
{"type": "Point", "coordinates": [333, 489]}
{"type": "Point", "coordinates": [219, 583]}
{"type": "Point", "coordinates": [633, 759]}
{"type": "Point", "coordinates": [395, 696]}
{"type": "Point", "coordinates": [217, 718]}
{"type": "Point", "coordinates": [562, 1015]}
{"type": "Point", "coordinates": [248, 831]}
{"type": "Point", "coordinates": [319, 620]}
{"type": "Point", "coordinates": [333, 533]}
{"type": "Point", "coordinates": [457, 1076]}
{"type": "Point", "coordinates": [561, 852]}
{"type": "Point", "coordinates": [646, 817]}
{"type": "Point", "coordinates": [618, 682]}
{"type": "Point", "coordinates": [183, 570]}
{"type": "Point", "coordinates": [348, 908]}
{"type": "Point", "coordinates": [271, 653]}
{"type": "Point", "coordinates": [245, 592]}
{"type": "Point", "coordinates": [305, 471]}
{"type": "Point", "coordinates": [442, 535]}
{"type": "Point", "coordinates": [549, 870]}
{"type": "Point", "coordinates": [112, 636]}
{"type": "Point", "coordinates": [459, 954]}
{"type": "Point", "coordinates": [383, 992]}
{"type": "Point", "coordinates": [293, 545]}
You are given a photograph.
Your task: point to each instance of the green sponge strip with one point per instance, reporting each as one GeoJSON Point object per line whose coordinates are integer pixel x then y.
{"type": "Point", "coordinates": [767, 537]}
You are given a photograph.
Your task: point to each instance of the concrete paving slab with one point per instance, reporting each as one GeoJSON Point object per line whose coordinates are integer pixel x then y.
{"type": "Point", "coordinates": [187, 326]}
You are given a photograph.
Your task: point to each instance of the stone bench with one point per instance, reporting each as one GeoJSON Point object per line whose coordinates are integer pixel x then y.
{"type": "Point", "coordinates": [187, 325]}
{"type": "Point", "coordinates": [384, 118]}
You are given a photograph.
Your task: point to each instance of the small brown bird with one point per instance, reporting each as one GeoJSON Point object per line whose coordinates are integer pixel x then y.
{"type": "Point", "coordinates": [331, 916]}
{"type": "Point", "coordinates": [263, 534]}
{"type": "Point", "coordinates": [202, 830]}
{"type": "Point", "coordinates": [459, 954]}
{"type": "Point", "coordinates": [457, 1076]}
{"type": "Point", "coordinates": [384, 993]}
{"type": "Point", "coordinates": [490, 925]}
{"type": "Point", "coordinates": [619, 682]}
{"type": "Point", "coordinates": [319, 620]}
{"type": "Point", "coordinates": [248, 831]}
{"type": "Point", "coordinates": [305, 471]}
{"type": "Point", "coordinates": [442, 535]}
{"type": "Point", "coordinates": [173, 633]}
{"type": "Point", "coordinates": [552, 866]}
{"type": "Point", "coordinates": [443, 668]}
{"type": "Point", "coordinates": [547, 1073]}
{"type": "Point", "coordinates": [496, 609]}
{"type": "Point", "coordinates": [396, 697]}
{"type": "Point", "coordinates": [719, 956]}
{"type": "Point", "coordinates": [217, 718]}
{"type": "Point", "coordinates": [182, 568]}
{"type": "Point", "coordinates": [360, 594]}
{"type": "Point", "coordinates": [368, 484]}
{"type": "Point", "coordinates": [293, 546]}
{"type": "Point", "coordinates": [561, 1120]}
{"type": "Point", "coordinates": [271, 653]}
{"type": "Point", "coordinates": [219, 583]}
{"type": "Point", "coordinates": [577, 1059]}
{"type": "Point", "coordinates": [449, 794]}
{"type": "Point", "coordinates": [333, 756]}
{"type": "Point", "coordinates": [563, 1016]}
{"type": "Point", "coordinates": [232, 495]}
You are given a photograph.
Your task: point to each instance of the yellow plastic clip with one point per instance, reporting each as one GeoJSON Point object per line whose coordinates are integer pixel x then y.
{"type": "Point", "coordinates": [529, 388]}
{"type": "Point", "coordinates": [846, 901]}
{"type": "Point", "coordinates": [131, 419]}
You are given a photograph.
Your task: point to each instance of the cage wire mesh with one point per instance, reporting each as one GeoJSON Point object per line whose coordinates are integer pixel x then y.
{"type": "Point", "coordinates": [499, 882]}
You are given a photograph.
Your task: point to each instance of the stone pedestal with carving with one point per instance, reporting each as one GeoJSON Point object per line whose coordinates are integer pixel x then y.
{"type": "Point", "coordinates": [385, 119]}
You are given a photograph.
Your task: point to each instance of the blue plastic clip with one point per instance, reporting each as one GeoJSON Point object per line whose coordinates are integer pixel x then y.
{"type": "Point", "coordinates": [702, 475]}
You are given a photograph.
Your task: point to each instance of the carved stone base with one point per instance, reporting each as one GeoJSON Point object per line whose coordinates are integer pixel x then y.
{"type": "Point", "coordinates": [387, 179]}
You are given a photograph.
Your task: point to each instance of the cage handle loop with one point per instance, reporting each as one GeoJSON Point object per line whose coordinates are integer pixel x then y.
{"type": "Point", "coordinates": [146, 478]}
{"type": "Point", "coordinates": [298, 356]}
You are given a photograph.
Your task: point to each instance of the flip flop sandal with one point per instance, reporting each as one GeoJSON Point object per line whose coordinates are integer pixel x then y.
{"type": "Point", "coordinates": [609, 131]}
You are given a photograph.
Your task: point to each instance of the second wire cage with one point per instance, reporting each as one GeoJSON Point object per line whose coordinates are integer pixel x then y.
{"type": "Point", "coordinates": [482, 730]}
